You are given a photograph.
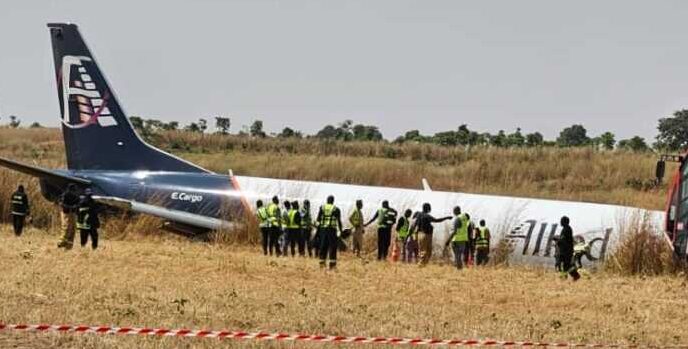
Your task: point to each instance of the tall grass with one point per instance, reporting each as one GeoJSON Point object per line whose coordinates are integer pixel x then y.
{"type": "Point", "coordinates": [642, 250]}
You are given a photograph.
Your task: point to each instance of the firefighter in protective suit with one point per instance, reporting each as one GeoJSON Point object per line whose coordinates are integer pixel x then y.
{"type": "Point", "coordinates": [20, 209]}
{"type": "Point", "coordinates": [87, 221]}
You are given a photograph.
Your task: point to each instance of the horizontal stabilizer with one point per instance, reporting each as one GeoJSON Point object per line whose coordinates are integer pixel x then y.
{"type": "Point", "coordinates": [165, 213]}
{"type": "Point", "coordinates": [42, 173]}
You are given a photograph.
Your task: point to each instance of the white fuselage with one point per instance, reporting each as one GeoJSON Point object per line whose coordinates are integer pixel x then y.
{"type": "Point", "coordinates": [529, 224]}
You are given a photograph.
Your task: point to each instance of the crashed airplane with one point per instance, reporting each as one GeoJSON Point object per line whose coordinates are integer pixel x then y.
{"type": "Point", "coordinates": [104, 153]}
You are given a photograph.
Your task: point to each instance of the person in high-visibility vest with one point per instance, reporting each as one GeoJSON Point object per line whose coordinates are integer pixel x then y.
{"type": "Point", "coordinates": [403, 232]}
{"type": "Point", "coordinates": [356, 221]}
{"type": "Point", "coordinates": [307, 227]}
{"type": "Point", "coordinates": [580, 249]}
{"type": "Point", "coordinates": [469, 251]}
{"type": "Point", "coordinates": [384, 229]}
{"type": "Point", "coordinates": [459, 237]}
{"type": "Point", "coordinates": [87, 221]}
{"type": "Point", "coordinates": [482, 244]}
{"type": "Point", "coordinates": [293, 230]}
{"type": "Point", "coordinates": [330, 225]}
{"type": "Point", "coordinates": [20, 209]}
{"type": "Point", "coordinates": [263, 224]}
{"type": "Point", "coordinates": [275, 219]}
{"type": "Point", "coordinates": [283, 224]}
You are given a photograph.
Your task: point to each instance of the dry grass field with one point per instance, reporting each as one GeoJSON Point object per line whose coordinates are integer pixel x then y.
{"type": "Point", "coordinates": [142, 277]}
{"type": "Point", "coordinates": [174, 283]}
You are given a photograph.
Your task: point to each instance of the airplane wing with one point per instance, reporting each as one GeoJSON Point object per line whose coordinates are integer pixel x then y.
{"type": "Point", "coordinates": [177, 216]}
{"type": "Point", "coordinates": [42, 173]}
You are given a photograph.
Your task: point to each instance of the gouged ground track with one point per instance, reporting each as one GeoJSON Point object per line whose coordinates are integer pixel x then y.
{"type": "Point", "coordinates": [167, 282]}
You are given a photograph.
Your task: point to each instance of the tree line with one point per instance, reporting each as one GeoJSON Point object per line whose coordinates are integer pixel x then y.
{"type": "Point", "coordinates": [672, 134]}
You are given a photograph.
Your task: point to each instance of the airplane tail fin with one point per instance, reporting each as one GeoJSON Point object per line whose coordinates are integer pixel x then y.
{"type": "Point", "coordinates": [97, 132]}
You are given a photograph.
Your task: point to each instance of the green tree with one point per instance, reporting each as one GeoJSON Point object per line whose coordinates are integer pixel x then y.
{"type": "Point", "coordinates": [288, 132]}
{"type": "Point", "coordinates": [192, 127]}
{"type": "Point", "coordinates": [636, 144]}
{"type": "Point", "coordinates": [170, 126]}
{"type": "Point", "coordinates": [607, 140]}
{"type": "Point", "coordinates": [35, 124]}
{"type": "Point", "coordinates": [573, 136]}
{"type": "Point", "coordinates": [202, 125]}
{"type": "Point", "coordinates": [673, 131]}
{"type": "Point", "coordinates": [14, 121]}
{"type": "Point", "coordinates": [222, 124]}
{"type": "Point", "coordinates": [516, 139]}
{"type": "Point", "coordinates": [256, 129]}
{"type": "Point", "coordinates": [137, 122]}
{"type": "Point", "coordinates": [534, 139]}
{"type": "Point", "coordinates": [498, 140]}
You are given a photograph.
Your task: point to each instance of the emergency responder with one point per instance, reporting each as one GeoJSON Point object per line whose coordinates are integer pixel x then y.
{"type": "Point", "coordinates": [69, 202]}
{"type": "Point", "coordinates": [565, 243]}
{"type": "Point", "coordinates": [459, 237]}
{"type": "Point", "coordinates": [423, 229]}
{"type": "Point", "coordinates": [263, 224]}
{"type": "Point", "coordinates": [403, 232]}
{"type": "Point", "coordinates": [275, 218]}
{"type": "Point", "coordinates": [384, 229]}
{"type": "Point", "coordinates": [356, 221]}
{"type": "Point", "coordinates": [329, 223]}
{"type": "Point", "coordinates": [482, 244]}
{"type": "Point", "coordinates": [307, 227]}
{"type": "Point", "coordinates": [20, 209]}
{"type": "Point", "coordinates": [284, 221]}
{"type": "Point", "coordinates": [293, 230]}
{"type": "Point", "coordinates": [87, 219]}
{"type": "Point", "coordinates": [469, 251]}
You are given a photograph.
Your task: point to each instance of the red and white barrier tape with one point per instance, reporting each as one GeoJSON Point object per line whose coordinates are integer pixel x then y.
{"type": "Point", "coordinates": [306, 337]}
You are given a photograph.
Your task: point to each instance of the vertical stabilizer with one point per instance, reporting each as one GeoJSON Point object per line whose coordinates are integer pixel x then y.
{"type": "Point", "coordinates": [97, 132]}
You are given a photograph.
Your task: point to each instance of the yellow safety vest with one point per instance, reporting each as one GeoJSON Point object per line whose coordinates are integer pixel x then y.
{"type": "Point", "coordinates": [481, 240]}
{"type": "Point", "coordinates": [263, 217]}
{"type": "Point", "coordinates": [382, 217]}
{"type": "Point", "coordinates": [404, 229]}
{"type": "Point", "coordinates": [356, 218]}
{"type": "Point", "coordinates": [461, 234]}
{"type": "Point", "coordinates": [291, 216]}
{"type": "Point", "coordinates": [273, 210]}
{"type": "Point", "coordinates": [327, 220]}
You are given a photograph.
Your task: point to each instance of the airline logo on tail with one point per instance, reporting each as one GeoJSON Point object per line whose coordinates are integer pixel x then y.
{"type": "Point", "coordinates": [91, 106]}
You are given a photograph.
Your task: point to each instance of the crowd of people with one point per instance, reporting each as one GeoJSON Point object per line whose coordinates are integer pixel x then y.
{"type": "Point", "coordinates": [288, 224]}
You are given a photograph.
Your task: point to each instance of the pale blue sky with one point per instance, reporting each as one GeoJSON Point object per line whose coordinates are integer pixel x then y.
{"type": "Point", "coordinates": [429, 65]}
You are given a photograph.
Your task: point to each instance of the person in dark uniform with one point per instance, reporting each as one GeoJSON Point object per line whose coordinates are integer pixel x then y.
{"type": "Point", "coordinates": [385, 217]}
{"type": "Point", "coordinates": [69, 201]}
{"type": "Point", "coordinates": [329, 224]}
{"type": "Point", "coordinates": [275, 219]}
{"type": "Point", "coordinates": [20, 209]}
{"type": "Point", "coordinates": [293, 230]}
{"type": "Point", "coordinates": [307, 228]}
{"type": "Point", "coordinates": [565, 244]}
{"type": "Point", "coordinates": [87, 219]}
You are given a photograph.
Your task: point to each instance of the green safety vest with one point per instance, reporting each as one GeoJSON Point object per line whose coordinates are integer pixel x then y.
{"type": "Point", "coordinates": [481, 240]}
{"type": "Point", "coordinates": [263, 217]}
{"type": "Point", "coordinates": [461, 234]}
{"type": "Point", "coordinates": [404, 230]}
{"type": "Point", "coordinates": [84, 217]}
{"type": "Point", "coordinates": [306, 222]}
{"type": "Point", "coordinates": [291, 219]}
{"type": "Point", "coordinates": [356, 218]}
{"type": "Point", "coordinates": [382, 218]}
{"type": "Point", "coordinates": [327, 220]}
{"type": "Point", "coordinates": [272, 215]}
